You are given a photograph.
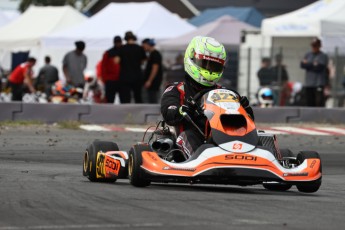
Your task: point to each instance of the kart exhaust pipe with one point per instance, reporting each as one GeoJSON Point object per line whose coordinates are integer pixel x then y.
{"type": "Point", "coordinates": [164, 145]}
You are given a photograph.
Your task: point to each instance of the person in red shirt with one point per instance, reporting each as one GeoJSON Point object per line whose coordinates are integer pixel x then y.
{"type": "Point", "coordinates": [21, 75]}
{"type": "Point", "coordinates": [110, 71]}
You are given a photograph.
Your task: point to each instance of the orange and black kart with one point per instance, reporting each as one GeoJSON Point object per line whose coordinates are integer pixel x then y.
{"type": "Point", "coordinates": [234, 153]}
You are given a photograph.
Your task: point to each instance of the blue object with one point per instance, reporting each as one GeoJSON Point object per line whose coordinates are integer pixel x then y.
{"type": "Point", "coordinates": [19, 58]}
{"type": "Point", "coordinates": [248, 15]}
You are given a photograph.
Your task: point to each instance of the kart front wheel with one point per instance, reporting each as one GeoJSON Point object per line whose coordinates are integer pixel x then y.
{"type": "Point", "coordinates": [277, 186]}
{"type": "Point", "coordinates": [136, 174]}
{"type": "Point", "coordinates": [90, 158]}
{"type": "Point", "coordinates": [309, 187]}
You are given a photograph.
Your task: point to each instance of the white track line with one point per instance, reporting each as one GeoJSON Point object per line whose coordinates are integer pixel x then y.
{"type": "Point", "coordinates": [138, 130]}
{"type": "Point", "coordinates": [94, 128]}
{"type": "Point", "coordinates": [332, 129]}
{"type": "Point", "coordinates": [271, 131]}
{"type": "Point", "coordinates": [300, 131]}
{"type": "Point", "coordinates": [279, 130]}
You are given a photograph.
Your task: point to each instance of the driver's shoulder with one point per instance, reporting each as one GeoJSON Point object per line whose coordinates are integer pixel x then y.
{"type": "Point", "coordinates": [173, 87]}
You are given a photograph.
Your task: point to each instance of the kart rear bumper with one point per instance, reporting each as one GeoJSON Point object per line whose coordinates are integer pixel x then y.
{"type": "Point", "coordinates": [227, 175]}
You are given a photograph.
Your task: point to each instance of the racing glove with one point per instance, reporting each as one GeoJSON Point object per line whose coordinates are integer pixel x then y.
{"type": "Point", "coordinates": [245, 103]}
{"type": "Point", "coordinates": [186, 109]}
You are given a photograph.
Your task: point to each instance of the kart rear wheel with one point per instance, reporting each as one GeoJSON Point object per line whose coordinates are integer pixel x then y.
{"type": "Point", "coordinates": [277, 186]}
{"type": "Point", "coordinates": [309, 187]}
{"type": "Point", "coordinates": [90, 158]}
{"type": "Point", "coordinates": [136, 174]}
{"type": "Point", "coordinates": [286, 153]}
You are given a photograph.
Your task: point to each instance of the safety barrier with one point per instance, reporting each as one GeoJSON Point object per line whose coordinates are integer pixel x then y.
{"type": "Point", "coordinates": [148, 113]}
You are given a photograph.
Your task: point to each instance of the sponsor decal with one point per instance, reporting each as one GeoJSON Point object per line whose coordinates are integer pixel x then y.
{"type": "Point", "coordinates": [179, 169]}
{"type": "Point", "coordinates": [223, 97]}
{"type": "Point", "coordinates": [100, 169]}
{"type": "Point", "coordinates": [113, 166]}
{"type": "Point", "coordinates": [296, 174]}
{"type": "Point", "coordinates": [312, 164]}
{"type": "Point", "coordinates": [237, 146]}
{"type": "Point", "coordinates": [209, 58]}
{"type": "Point", "coordinates": [240, 157]}
{"type": "Point", "coordinates": [172, 107]}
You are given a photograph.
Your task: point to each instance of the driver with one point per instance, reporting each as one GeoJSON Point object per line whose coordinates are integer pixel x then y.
{"type": "Point", "coordinates": [204, 62]}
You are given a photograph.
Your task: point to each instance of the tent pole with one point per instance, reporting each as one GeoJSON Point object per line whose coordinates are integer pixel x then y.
{"type": "Point", "coordinates": [335, 79]}
{"type": "Point", "coordinates": [249, 71]}
{"type": "Point", "coordinates": [280, 77]}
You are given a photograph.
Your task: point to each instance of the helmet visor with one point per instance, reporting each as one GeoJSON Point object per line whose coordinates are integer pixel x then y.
{"type": "Point", "coordinates": [209, 63]}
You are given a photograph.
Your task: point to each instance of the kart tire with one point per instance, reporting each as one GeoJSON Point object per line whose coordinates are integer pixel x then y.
{"type": "Point", "coordinates": [136, 174]}
{"type": "Point", "coordinates": [90, 157]}
{"type": "Point", "coordinates": [303, 155]}
{"type": "Point", "coordinates": [286, 153]}
{"type": "Point", "coordinates": [277, 187]}
{"type": "Point", "coordinates": [309, 187]}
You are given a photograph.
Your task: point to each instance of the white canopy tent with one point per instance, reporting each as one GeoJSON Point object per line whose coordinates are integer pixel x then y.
{"type": "Point", "coordinates": [25, 33]}
{"type": "Point", "coordinates": [225, 29]}
{"type": "Point", "coordinates": [148, 19]}
{"type": "Point", "coordinates": [324, 19]}
{"type": "Point", "coordinates": [27, 30]}
{"type": "Point", "coordinates": [7, 16]}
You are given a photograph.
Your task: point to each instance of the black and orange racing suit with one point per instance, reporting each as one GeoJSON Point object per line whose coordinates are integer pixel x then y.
{"type": "Point", "coordinates": [178, 94]}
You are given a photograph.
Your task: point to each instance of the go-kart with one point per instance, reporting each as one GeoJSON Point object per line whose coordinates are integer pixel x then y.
{"type": "Point", "coordinates": [65, 93]}
{"type": "Point", "coordinates": [234, 152]}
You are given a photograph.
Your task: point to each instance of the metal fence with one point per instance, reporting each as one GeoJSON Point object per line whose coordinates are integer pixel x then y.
{"type": "Point", "coordinates": [250, 62]}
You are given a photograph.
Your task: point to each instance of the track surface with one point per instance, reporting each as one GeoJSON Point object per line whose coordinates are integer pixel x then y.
{"type": "Point", "coordinates": [42, 187]}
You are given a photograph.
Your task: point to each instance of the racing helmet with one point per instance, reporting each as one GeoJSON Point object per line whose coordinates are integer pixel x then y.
{"type": "Point", "coordinates": [204, 60]}
{"type": "Point", "coordinates": [90, 77]}
{"type": "Point", "coordinates": [266, 97]}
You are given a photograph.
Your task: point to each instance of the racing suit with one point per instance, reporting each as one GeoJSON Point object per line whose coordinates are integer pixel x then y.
{"type": "Point", "coordinates": [178, 94]}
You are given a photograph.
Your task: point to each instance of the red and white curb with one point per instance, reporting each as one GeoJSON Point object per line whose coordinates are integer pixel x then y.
{"type": "Point", "coordinates": [282, 130]}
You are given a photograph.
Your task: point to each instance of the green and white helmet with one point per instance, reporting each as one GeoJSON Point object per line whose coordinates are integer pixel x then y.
{"type": "Point", "coordinates": [204, 60]}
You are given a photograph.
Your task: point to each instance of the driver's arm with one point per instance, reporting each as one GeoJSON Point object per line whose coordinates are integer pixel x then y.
{"type": "Point", "coordinates": [170, 104]}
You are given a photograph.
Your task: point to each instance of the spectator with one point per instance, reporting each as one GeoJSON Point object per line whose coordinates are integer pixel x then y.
{"type": "Point", "coordinates": [110, 71]}
{"type": "Point", "coordinates": [48, 75]}
{"type": "Point", "coordinates": [130, 57]}
{"type": "Point", "coordinates": [94, 89]}
{"type": "Point", "coordinates": [175, 73]}
{"type": "Point", "coordinates": [2, 78]}
{"type": "Point", "coordinates": [280, 78]}
{"type": "Point", "coordinates": [265, 73]}
{"type": "Point", "coordinates": [153, 72]}
{"type": "Point", "coordinates": [74, 64]}
{"type": "Point", "coordinates": [316, 78]}
{"type": "Point", "coordinates": [21, 75]}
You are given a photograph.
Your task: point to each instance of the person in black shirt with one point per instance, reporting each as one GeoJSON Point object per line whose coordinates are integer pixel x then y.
{"type": "Point", "coordinates": [280, 79]}
{"type": "Point", "coordinates": [130, 57]}
{"type": "Point", "coordinates": [48, 75]}
{"type": "Point", "coordinates": [265, 74]}
{"type": "Point", "coordinates": [153, 72]}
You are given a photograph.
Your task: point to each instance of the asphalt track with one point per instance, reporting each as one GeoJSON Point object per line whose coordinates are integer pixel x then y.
{"type": "Point", "coordinates": [42, 187]}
